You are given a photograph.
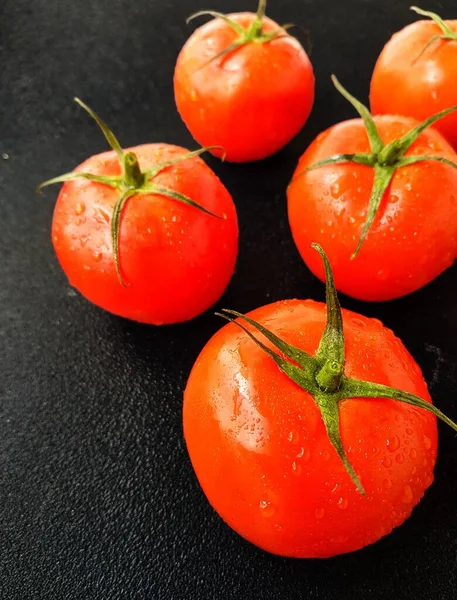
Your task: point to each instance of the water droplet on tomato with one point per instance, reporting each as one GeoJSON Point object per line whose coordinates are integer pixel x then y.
{"type": "Point", "coordinates": [97, 256]}
{"type": "Point", "coordinates": [267, 508]}
{"type": "Point", "coordinates": [335, 190]}
{"type": "Point", "coordinates": [80, 208]}
{"type": "Point", "coordinates": [413, 470]}
{"type": "Point", "coordinates": [319, 513]}
{"type": "Point", "coordinates": [393, 443]}
{"type": "Point", "coordinates": [193, 95]}
{"type": "Point", "coordinates": [407, 497]}
{"type": "Point", "coordinates": [343, 503]}
{"type": "Point", "coordinates": [293, 436]}
{"type": "Point", "coordinates": [351, 220]}
{"type": "Point", "coordinates": [387, 483]}
{"type": "Point", "coordinates": [413, 453]}
{"type": "Point", "coordinates": [387, 462]}
{"type": "Point", "coordinates": [382, 274]}
{"type": "Point", "coordinates": [296, 469]}
{"type": "Point", "coordinates": [83, 240]}
{"type": "Point", "coordinates": [400, 458]}
{"type": "Point", "coordinates": [427, 442]}
{"type": "Point", "coordinates": [394, 198]}
{"type": "Point", "coordinates": [358, 322]}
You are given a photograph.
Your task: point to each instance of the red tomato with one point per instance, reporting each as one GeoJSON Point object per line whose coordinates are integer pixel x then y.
{"type": "Point", "coordinates": [175, 259]}
{"type": "Point", "coordinates": [413, 237]}
{"type": "Point", "coordinates": [409, 80]}
{"type": "Point", "coordinates": [251, 100]}
{"type": "Point", "coordinates": [261, 453]}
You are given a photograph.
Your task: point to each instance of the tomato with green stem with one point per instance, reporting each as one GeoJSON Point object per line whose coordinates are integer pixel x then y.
{"type": "Point", "coordinates": [380, 194]}
{"type": "Point", "coordinates": [243, 83]}
{"type": "Point", "coordinates": [416, 71]}
{"type": "Point", "coordinates": [310, 429]}
{"type": "Point", "coordinates": [149, 233]}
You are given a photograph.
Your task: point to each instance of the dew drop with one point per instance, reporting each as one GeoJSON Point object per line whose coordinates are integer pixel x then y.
{"type": "Point", "coordinates": [413, 453]}
{"type": "Point", "coordinates": [97, 256]}
{"type": "Point", "coordinates": [394, 198]}
{"type": "Point", "coordinates": [387, 483]}
{"type": "Point", "coordinates": [387, 462]}
{"type": "Point", "coordinates": [400, 458]}
{"type": "Point", "coordinates": [335, 190]}
{"type": "Point", "coordinates": [381, 274]}
{"type": "Point", "coordinates": [393, 443]}
{"type": "Point", "coordinates": [319, 513]}
{"type": "Point", "coordinates": [413, 470]}
{"type": "Point", "coordinates": [80, 208]}
{"type": "Point", "coordinates": [267, 508]}
{"type": "Point", "coordinates": [293, 436]}
{"type": "Point", "coordinates": [325, 455]}
{"type": "Point", "coordinates": [358, 322]}
{"type": "Point", "coordinates": [351, 220]}
{"type": "Point", "coordinates": [343, 503]}
{"type": "Point", "coordinates": [296, 469]}
{"type": "Point", "coordinates": [407, 497]}
{"type": "Point", "coordinates": [427, 442]}
{"type": "Point", "coordinates": [193, 95]}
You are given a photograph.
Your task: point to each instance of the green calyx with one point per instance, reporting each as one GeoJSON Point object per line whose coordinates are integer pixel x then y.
{"type": "Point", "coordinates": [384, 159]}
{"type": "Point", "coordinates": [322, 375]}
{"type": "Point", "coordinates": [254, 34]}
{"type": "Point", "coordinates": [130, 182]}
{"type": "Point", "coordinates": [445, 35]}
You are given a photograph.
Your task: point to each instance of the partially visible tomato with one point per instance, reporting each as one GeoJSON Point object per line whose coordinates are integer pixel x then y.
{"type": "Point", "coordinates": [417, 78]}
{"type": "Point", "coordinates": [175, 260]}
{"type": "Point", "coordinates": [264, 440]}
{"type": "Point", "coordinates": [241, 82]}
{"type": "Point", "coordinates": [413, 205]}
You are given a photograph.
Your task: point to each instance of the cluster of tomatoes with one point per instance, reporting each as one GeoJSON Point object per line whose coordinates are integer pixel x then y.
{"type": "Point", "coordinates": [310, 429]}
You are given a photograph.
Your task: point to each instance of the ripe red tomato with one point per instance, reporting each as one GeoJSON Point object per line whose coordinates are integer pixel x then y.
{"type": "Point", "coordinates": [416, 79]}
{"type": "Point", "coordinates": [251, 100]}
{"type": "Point", "coordinates": [175, 260]}
{"type": "Point", "coordinates": [261, 452]}
{"type": "Point", "coordinates": [413, 235]}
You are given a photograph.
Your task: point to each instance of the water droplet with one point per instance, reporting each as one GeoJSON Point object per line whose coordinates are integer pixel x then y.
{"type": "Point", "coordinates": [394, 198]}
{"type": "Point", "coordinates": [80, 208]}
{"type": "Point", "coordinates": [325, 455]}
{"type": "Point", "coordinates": [393, 443]}
{"type": "Point", "coordinates": [296, 469]}
{"type": "Point", "coordinates": [267, 508]}
{"type": "Point", "coordinates": [193, 95]}
{"type": "Point", "coordinates": [434, 95]}
{"type": "Point", "coordinates": [413, 470]}
{"type": "Point", "coordinates": [351, 220]}
{"type": "Point", "coordinates": [329, 223]}
{"type": "Point", "coordinates": [83, 240]}
{"type": "Point", "coordinates": [293, 436]}
{"type": "Point", "coordinates": [174, 218]}
{"type": "Point", "coordinates": [400, 458]}
{"type": "Point", "coordinates": [387, 483]}
{"type": "Point", "coordinates": [358, 322]}
{"type": "Point", "coordinates": [427, 442]}
{"type": "Point", "coordinates": [387, 462]}
{"type": "Point", "coordinates": [413, 453]}
{"type": "Point", "coordinates": [5, 156]}
{"type": "Point", "coordinates": [97, 256]}
{"type": "Point", "coordinates": [381, 274]}
{"type": "Point", "coordinates": [319, 513]}
{"type": "Point", "coordinates": [407, 497]}
{"type": "Point", "coordinates": [343, 503]}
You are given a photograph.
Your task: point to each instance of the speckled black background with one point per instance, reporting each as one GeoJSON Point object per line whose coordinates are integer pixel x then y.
{"type": "Point", "coordinates": [97, 496]}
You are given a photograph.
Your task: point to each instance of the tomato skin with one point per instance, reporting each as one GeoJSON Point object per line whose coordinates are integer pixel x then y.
{"type": "Point", "coordinates": [406, 83]}
{"type": "Point", "coordinates": [259, 448]}
{"type": "Point", "coordinates": [176, 260]}
{"type": "Point", "coordinates": [252, 101]}
{"type": "Point", "coordinates": [413, 237]}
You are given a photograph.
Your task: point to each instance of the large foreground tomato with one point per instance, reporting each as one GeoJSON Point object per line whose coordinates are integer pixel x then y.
{"type": "Point", "coordinates": [241, 82]}
{"type": "Point", "coordinates": [264, 439]}
{"type": "Point", "coordinates": [384, 205]}
{"type": "Point", "coordinates": [150, 234]}
{"type": "Point", "coordinates": [416, 72]}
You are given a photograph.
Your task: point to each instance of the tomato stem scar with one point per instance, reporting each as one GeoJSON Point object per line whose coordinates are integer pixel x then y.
{"type": "Point", "coordinates": [132, 181]}
{"type": "Point", "coordinates": [322, 375]}
{"type": "Point", "coordinates": [384, 159]}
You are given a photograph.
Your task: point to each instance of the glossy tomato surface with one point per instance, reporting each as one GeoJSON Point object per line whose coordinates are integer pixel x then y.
{"type": "Point", "coordinates": [253, 100]}
{"type": "Point", "coordinates": [176, 260]}
{"type": "Point", "coordinates": [259, 447]}
{"type": "Point", "coordinates": [413, 237]}
{"type": "Point", "coordinates": [408, 82]}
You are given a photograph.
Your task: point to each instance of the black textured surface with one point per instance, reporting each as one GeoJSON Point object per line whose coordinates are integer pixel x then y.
{"type": "Point", "coordinates": [98, 498]}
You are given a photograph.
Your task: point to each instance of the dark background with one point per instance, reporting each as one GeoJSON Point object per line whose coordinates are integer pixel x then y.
{"type": "Point", "coordinates": [97, 496]}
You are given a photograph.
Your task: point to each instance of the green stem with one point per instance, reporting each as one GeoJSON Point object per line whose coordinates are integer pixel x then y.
{"type": "Point", "coordinates": [133, 177]}
{"type": "Point", "coordinates": [322, 375]}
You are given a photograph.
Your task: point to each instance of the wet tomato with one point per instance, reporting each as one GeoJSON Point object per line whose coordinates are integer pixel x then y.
{"type": "Point", "coordinates": [149, 234]}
